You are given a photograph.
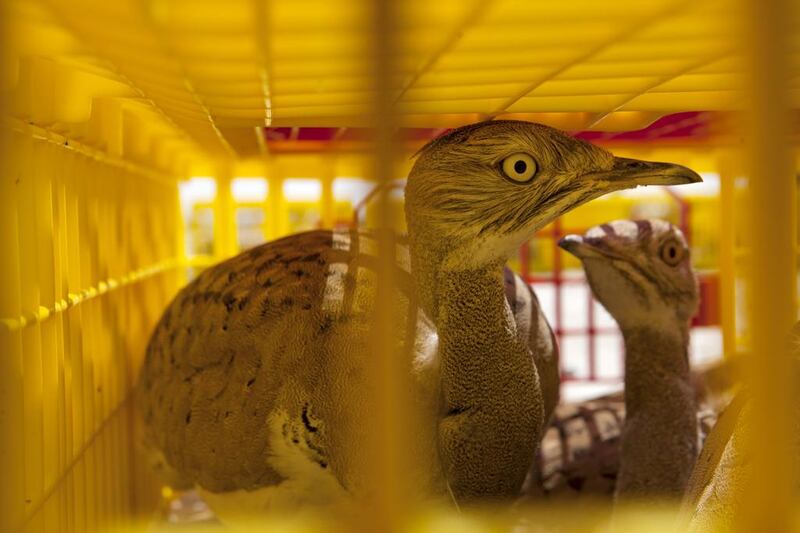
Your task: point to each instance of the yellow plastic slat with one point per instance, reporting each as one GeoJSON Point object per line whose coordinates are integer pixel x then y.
{"type": "Point", "coordinates": [32, 402]}
{"type": "Point", "coordinates": [80, 226]}
{"type": "Point", "coordinates": [770, 496]}
{"type": "Point", "coordinates": [257, 62]}
{"type": "Point", "coordinates": [12, 506]}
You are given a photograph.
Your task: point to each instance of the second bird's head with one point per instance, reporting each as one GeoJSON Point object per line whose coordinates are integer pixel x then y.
{"type": "Point", "coordinates": [640, 271]}
{"type": "Point", "coordinates": [480, 191]}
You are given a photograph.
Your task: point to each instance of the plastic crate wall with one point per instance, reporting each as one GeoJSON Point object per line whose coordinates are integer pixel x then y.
{"type": "Point", "coordinates": [91, 254]}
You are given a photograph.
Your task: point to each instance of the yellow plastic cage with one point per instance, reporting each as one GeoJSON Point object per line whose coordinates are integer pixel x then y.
{"type": "Point", "coordinates": [107, 107]}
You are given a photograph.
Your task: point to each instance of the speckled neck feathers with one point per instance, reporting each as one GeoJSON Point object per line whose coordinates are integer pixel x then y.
{"type": "Point", "coordinates": [659, 440]}
{"type": "Point", "coordinates": [491, 399]}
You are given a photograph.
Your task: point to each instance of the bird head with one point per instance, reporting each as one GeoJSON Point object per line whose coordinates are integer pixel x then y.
{"type": "Point", "coordinates": [482, 190]}
{"type": "Point", "coordinates": [640, 271]}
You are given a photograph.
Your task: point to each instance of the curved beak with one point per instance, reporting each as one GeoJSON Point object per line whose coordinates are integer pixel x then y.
{"type": "Point", "coordinates": [628, 173]}
{"type": "Point", "coordinates": [624, 173]}
{"type": "Point", "coordinates": [581, 248]}
{"type": "Point", "coordinates": [575, 245]}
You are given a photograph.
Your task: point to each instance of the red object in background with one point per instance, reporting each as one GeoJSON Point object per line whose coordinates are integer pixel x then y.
{"type": "Point", "coordinates": [708, 310]}
{"type": "Point", "coordinates": [690, 124]}
{"type": "Point", "coordinates": [694, 125]}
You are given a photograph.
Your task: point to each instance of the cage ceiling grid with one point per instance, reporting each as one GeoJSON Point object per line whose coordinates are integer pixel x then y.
{"type": "Point", "coordinates": [209, 75]}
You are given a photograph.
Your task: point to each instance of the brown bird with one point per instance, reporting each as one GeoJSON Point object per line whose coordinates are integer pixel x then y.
{"type": "Point", "coordinates": [580, 452]}
{"type": "Point", "coordinates": [641, 272]}
{"type": "Point", "coordinates": [253, 385]}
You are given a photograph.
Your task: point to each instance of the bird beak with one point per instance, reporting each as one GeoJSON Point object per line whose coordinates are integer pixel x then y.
{"type": "Point", "coordinates": [575, 245]}
{"type": "Point", "coordinates": [628, 173]}
{"type": "Point", "coordinates": [581, 248]}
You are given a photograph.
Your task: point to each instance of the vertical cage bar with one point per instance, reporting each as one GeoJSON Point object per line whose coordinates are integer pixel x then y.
{"type": "Point", "coordinates": [273, 201]}
{"type": "Point", "coordinates": [525, 261]}
{"type": "Point", "coordinates": [31, 340]}
{"type": "Point", "coordinates": [771, 289]}
{"type": "Point", "coordinates": [727, 263]}
{"type": "Point", "coordinates": [558, 285]}
{"type": "Point", "coordinates": [327, 201]}
{"type": "Point", "coordinates": [278, 208]}
{"type": "Point", "coordinates": [225, 243]}
{"type": "Point", "coordinates": [390, 373]}
{"type": "Point", "coordinates": [591, 333]}
{"type": "Point", "coordinates": [12, 443]}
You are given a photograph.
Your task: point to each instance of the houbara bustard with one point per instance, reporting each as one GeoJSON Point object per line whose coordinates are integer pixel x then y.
{"type": "Point", "coordinates": [641, 272]}
{"type": "Point", "coordinates": [254, 380]}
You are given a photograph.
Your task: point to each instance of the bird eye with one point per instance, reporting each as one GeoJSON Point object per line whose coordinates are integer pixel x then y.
{"type": "Point", "coordinates": [672, 252]}
{"type": "Point", "coordinates": [519, 168]}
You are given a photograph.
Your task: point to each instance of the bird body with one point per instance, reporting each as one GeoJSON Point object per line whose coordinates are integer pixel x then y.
{"type": "Point", "coordinates": [214, 380]}
{"type": "Point", "coordinates": [264, 339]}
{"type": "Point", "coordinates": [255, 376]}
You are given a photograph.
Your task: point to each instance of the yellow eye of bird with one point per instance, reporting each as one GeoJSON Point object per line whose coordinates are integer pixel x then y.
{"type": "Point", "coordinates": [519, 168]}
{"type": "Point", "coordinates": [672, 252]}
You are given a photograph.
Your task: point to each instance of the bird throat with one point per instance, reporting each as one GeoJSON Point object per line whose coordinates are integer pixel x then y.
{"type": "Point", "coordinates": [431, 264]}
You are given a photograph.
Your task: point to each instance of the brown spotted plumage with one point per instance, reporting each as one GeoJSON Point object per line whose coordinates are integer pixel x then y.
{"type": "Point", "coordinates": [218, 381]}
{"type": "Point", "coordinates": [254, 384]}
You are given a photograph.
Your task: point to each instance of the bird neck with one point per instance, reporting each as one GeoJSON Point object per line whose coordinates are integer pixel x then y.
{"type": "Point", "coordinates": [440, 288]}
{"type": "Point", "coordinates": [491, 411]}
{"type": "Point", "coordinates": [659, 439]}
{"type": "Point", "coordinates": [652, 353]}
